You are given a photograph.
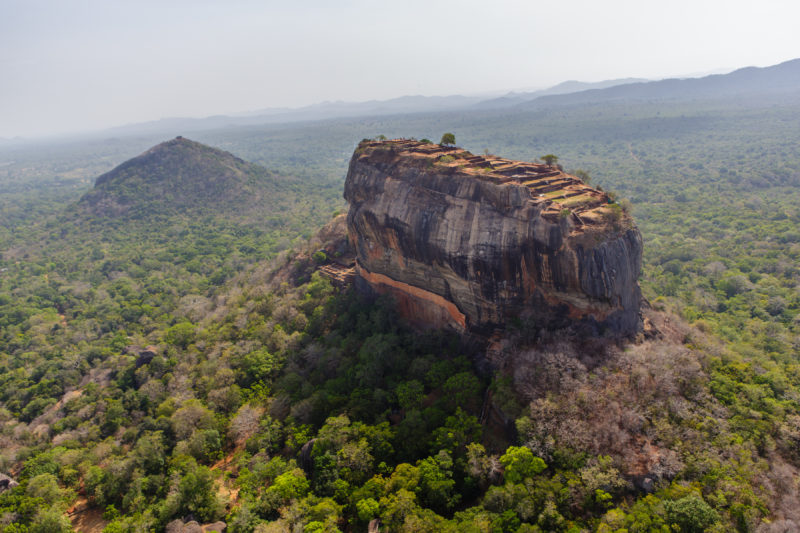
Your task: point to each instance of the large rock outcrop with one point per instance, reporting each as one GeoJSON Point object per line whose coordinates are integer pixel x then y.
{"type": "Point", "coordinates": [475, 242]}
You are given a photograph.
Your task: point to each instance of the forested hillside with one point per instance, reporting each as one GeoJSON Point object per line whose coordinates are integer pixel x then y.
{"type": "Point", "coordinates": [195, 367]}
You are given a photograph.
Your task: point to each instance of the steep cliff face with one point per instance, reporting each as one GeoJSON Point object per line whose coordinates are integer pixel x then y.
{"type": "Point", "coordinates": [473, 242]}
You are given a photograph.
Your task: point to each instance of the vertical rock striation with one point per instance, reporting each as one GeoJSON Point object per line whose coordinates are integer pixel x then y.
{"type": "Point", "coordinates": [473, 242]}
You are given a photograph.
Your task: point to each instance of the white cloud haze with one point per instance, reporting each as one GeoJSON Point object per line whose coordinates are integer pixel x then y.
{"type": "Point", "coordinates": [78, 65]}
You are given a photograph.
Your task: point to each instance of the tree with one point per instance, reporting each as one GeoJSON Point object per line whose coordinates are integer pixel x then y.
{"type": "Point", "coordinates": [205, 444]}
{"type": "Point", "coordinates": [448, 139]}
{"type": "Point", "coordinates": [191, 416]}
{"type": "Point", "coordinates": [691, 513]}
{"type": "Point", "coordinates": [396, 507]}
{"type": "Point", "coordinates": [520, 464]}
{"type": "Point", "coordinates": [410, 394]}
{"type": "Point", "coordinates": [149, 453]}
{"type": "Point", "coordinates": [584, 176]}
{"type": "Point", "coordinates": [436, 483]}
{"type": "Point", "coordinates": [457, 431]}
{"type": "Point", "coordinates": [355, 461]}
{"type": "Point", "coordinates": [45, 486]}
{"type": "Point", "coordinates": [181, 334]}
{"type": "Point", "coordinates": [256, 366]}
{"type": "Point", "coordinates": [549, 159]}
{"type": "Point", "coordinates": [320, 257]}
{"type": "Point", "coordinates": [49, 520]}
{"type": "Point", "coordinates": [367, 509]}
{"type": "Point", "coordinates": [196, 495]}
{"type": "Point", "coordinates": [290, 485]}
{"type": "Point", "coordinates": [463, 389]}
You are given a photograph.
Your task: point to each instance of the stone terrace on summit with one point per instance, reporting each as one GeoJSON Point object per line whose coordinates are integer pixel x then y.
{"type": "Point", "coordinates": [547, 184]}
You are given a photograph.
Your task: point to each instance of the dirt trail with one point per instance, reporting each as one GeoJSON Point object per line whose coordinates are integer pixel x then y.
{"type": "Point", "coordinates": [630, 149]}
{"type": "Point", "coordinates": [225, 487]}
{"type": "Point", "coordinates": [86, 519]}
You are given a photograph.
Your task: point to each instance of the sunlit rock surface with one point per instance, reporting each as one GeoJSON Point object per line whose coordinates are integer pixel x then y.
{"type": "Point", "coordinates": [475, 242]}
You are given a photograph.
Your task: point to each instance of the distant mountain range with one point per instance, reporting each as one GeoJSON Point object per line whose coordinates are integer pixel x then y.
{"type": "Point", "coordinates": [333, 110]}
{"type": "Point", "coordinates": [321, 111]}
{"type": "Point", "coordinates": [566, 87]}
{"type": "Point", "coordinates": [751, 81]}
{"type": "Point", "coordinates": [745, 82]}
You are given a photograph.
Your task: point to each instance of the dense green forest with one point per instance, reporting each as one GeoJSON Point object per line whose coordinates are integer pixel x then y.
{"type": "Point", "coordinates": [184, 367]}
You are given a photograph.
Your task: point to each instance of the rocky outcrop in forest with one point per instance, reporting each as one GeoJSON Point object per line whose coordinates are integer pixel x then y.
{"type": "Point", "coordinates": [474, 242]}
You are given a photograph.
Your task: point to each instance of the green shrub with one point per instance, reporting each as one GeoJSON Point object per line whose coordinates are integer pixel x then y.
{"type": "Point", "coordinates": [520, 464]}
{"type": "Point", "coordinates": [691, 513]}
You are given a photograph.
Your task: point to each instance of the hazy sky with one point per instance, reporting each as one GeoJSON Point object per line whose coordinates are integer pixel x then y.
{"type": "Point", "coordinates": [73, 65]}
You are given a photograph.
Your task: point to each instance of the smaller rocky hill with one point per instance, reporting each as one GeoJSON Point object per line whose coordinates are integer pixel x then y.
{"type": "Point", "coordinates": [181, 175]}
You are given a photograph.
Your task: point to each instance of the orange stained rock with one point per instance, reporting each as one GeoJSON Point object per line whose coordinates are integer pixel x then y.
{"type": "Point", "coordinates": [417, 304]}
